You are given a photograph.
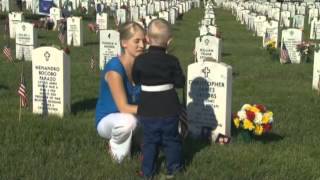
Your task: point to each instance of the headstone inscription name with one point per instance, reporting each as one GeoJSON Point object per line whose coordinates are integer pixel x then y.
{"type": "Point", "coordinates": [26, 40]}
{"type": "Point", "coordinates": [50, 81]}
{"type": "Point", "coordinates": [209, 94]}
{"type": "Point", "coordinates": [74, 31]}
{"type": "Point", "coordinates": [109, 46]}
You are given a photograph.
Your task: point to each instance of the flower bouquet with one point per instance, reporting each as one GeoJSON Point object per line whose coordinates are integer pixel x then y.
{"type": "Point", "coordinates": [253, 120]}
{"type": "Point", "coordinates": [306, 49]}
{"type": "Point", "coordinates": [270, 45]}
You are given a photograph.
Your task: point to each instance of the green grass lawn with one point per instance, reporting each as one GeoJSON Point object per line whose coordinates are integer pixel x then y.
{"type": "Point", "coordinates": [52, 148]}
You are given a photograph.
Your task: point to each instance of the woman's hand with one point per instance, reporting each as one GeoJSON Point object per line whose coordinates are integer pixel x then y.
{"type": "Point", "coordinates": [117, 89]}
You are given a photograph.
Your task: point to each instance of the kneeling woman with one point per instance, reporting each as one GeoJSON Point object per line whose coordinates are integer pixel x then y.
{"type": "Point", "coordinates": [115, 110]}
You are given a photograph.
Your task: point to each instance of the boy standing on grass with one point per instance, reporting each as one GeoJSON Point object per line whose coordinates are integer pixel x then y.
{"type": "Point", "coordinates": [159, 74]}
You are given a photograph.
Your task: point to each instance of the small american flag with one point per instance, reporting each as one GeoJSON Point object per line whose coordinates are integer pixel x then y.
{"type": "Point", "coordinates": [267, 38]}
{"type": "Point", "coordinates": [62, 32]}
{"type": "Point", "coordinates": [61, 37]}
{"type": "Point", "coordinates": [7, 53]}
{"type": "Point", "coordinates": [22, 92]}
{"type": "Point", "coordinates": [284, 54]}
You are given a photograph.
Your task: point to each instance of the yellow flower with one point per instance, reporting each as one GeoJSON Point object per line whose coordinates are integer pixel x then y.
{"type": "Point", "coordinates": [254, 109]}
{"type": "Point", "coordinates": [247, 124]}
{"type": "Point", "coordinates": [246, 107]}
{"type": "Point", "coordinates": [236, 122]}
{"type": "Point", "coordinates": [266, 117]}
{"type": "Point", "coordinates": [258, 130]}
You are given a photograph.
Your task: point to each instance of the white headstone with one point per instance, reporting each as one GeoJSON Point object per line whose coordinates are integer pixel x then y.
{"type": "Point", "coordinates": [14, 19]}
{"type": "Point", "coordinates": [208, 48]}
{"type": "Point", "coordinates": [285, 21]}
{"type": "Point", "coordinates": [55, 15]}
{"type": "Point", "coordinates": [121, 16]}
{"type": "Point", "coordinates": [50, 81]}
{"type": "Point", "coordinates": [164, 15]}
{"type": "Point", "coordinates": [109, 46]}
{"type": "Point", "coordinates": [259, 25]}
{"type": "Point", "coordinates": [316, 71]}
{"type": "Point", "coordinates": [209, 93]}
{"type": "Point", "coordinates": [313, 14]}
{"type": "Point", "coordinates": [157, 6]}
{"type": "Point", "coordinates": [298, 21]}
{"type": "Point", "coordinates": [150, 9]}
{"type": "Point", "coordinates": [102, 20]}
{"type": "Point", "coordinates": [315, 29]}
{"type": "Point", "coordinates": [74, 31]}
{"type": "Point", "coordinates": [5, 5]}
{"type": "Point", "coordinates": [26, 40]}
{"type": "Point", "coordinates": [289, 41]}
{"type": "Point", "coordinates": [29, 4]}
{"type": "Point", "coordinates": [134, 13]}
{"type": "Point", "coordinates": [271, 33]}
{"type": "Point", "coordinates": [172, 14]}
{"type": "Point", "coordinates": [143, 11]}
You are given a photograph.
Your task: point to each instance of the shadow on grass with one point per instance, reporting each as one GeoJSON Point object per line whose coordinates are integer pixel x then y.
{"type": "Point", "coordinates": [226, 54]}
{"type": "Point", "coordinates": [85, 105]}
{"type": "Point", "coordinates": [244, 136]}
{"type": "Point", "coordinates": [3, 87]}
{"type": "Point", "coordinates": [268, 137]}
{"type": "Point", "coordinates": [92, 43]}
{"type": "Point", "coordinates": [191, 147]}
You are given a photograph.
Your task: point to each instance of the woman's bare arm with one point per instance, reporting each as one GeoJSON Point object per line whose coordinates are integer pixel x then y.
{"type": "Point", "coordinates": [115, 82]}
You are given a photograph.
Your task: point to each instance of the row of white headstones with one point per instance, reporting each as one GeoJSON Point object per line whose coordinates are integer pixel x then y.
{"type": "Point", "coordinates": [152, 5]}
{"type": "Point", "coordinates": [253, 14]}
{"type": "Point", "coordinates": [51, 66]}
{"type": "Point", "coordinates": [209, 83]}
{"type": "Point", "coordinates": [209, 90]}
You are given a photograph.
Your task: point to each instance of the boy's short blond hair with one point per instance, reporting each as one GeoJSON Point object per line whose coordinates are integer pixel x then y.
{"type": "Point", "coordinates": [159, 32]}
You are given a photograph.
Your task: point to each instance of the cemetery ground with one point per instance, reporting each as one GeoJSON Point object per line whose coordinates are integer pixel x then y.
{"type": "Point", "coordinates": [47, 147]}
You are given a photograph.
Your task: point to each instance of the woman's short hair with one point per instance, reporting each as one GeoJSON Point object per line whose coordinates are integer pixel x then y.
{"type": "Point", "coordinates": [128, 29]}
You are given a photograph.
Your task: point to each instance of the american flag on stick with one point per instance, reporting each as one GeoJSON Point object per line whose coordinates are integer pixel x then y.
{"type": "Point", "coordinates": [7, 53]}
{"type": "Point", "coordinates": [267, 38]}
{"type": "Point", "coordinates": [22, 92]}
{"type": "Point", "coordinates": [61, 37]}
{"type": "Point", "coordinates": [284, 54]}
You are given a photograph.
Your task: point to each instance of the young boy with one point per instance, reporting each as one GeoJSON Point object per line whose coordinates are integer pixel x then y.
{"type": "Point", "coordinates": [159, 74]}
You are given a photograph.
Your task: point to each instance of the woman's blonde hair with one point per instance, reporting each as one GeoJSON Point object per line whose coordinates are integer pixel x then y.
{"type": "Point", "coordinates": [128, 29]}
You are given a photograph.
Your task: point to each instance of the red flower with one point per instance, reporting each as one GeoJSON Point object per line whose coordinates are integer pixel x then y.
{"type": "Point", "coordinates": [250, 115]}
{"type": "Point", "coordinates": [261, 107]}
{"type": "Point", "coordinates": [266, 127]}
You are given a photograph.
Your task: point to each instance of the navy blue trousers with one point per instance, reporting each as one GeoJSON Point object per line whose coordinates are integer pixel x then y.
{"type": "Point", "coordinates": [159, 132]}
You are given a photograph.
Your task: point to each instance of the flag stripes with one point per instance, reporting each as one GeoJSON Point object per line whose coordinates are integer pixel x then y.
{"type": "Point", "coordinates": [7, 53]}
{"type": "Point", "coordinates": [22, 92]}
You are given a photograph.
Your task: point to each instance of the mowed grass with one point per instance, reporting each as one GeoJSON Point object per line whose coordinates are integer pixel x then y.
{"type": "Point", "coordinates": [40, 147]}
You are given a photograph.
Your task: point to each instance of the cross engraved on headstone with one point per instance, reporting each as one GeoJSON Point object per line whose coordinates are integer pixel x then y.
{"type": "Point", "coordinates": [47, 55]}
{"type": "Point", "coordinates": [206, 71]}
{"type": "Point", "coordinates": [23, 27]}
{"type": "Point", "coordinates": [206, 42]}
{"type": "Point", "coordinates": [109, 35]}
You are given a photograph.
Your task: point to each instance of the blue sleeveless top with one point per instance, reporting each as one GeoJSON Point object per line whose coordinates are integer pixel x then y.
{"type": "Point", "coordinates": [106, 104]}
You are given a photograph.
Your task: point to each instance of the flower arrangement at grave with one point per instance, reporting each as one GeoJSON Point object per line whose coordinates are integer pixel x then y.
{"type": "Point", "coordinates": [254, 119]}
{"type": "Point", "coordinates": [306, 50]}
{"type": "Point", "coordinates": [270, 46]}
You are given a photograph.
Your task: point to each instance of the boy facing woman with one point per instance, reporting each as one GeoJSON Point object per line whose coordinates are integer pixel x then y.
{"type": "Point", "coordinates": [159, 74]}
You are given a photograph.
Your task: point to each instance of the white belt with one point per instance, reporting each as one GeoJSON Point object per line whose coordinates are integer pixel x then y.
{"type": "Point", "coordinates": [157, 88]}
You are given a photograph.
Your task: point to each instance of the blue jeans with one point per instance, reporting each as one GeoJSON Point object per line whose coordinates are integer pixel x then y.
{"type": "Point", "coordinates": [161, 132]}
